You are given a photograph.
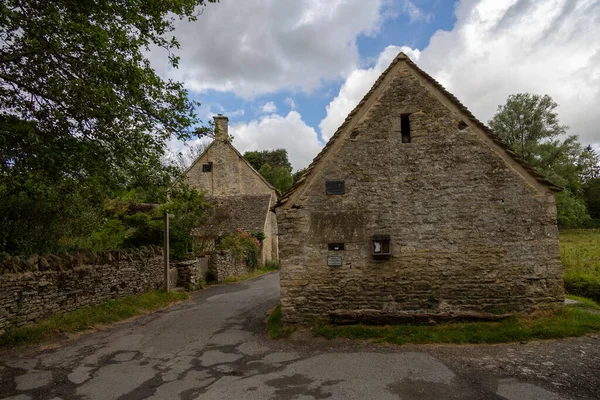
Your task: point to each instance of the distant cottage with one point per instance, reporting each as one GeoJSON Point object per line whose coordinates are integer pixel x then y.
{"type": "Point", "coordinates": [415, 207]}
{"type": "Point", "coordinates": [241, 197]}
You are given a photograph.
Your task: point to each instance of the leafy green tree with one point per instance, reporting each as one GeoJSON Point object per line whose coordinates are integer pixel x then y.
{"type": "Point", "coordinates": [275, 158]}
{"type": "Point", "coordinates": [530, 125]}
{"type": "Point", "coordinates": [274, 166]}
{"type": "Point", "coordinates": [279, 177]}
{"type": "Point", "coordinates": [572, 212]}
{"type": "Point", "coordinates": [525, 121]}
{"type": "Point", "coordinates": [82, 113]}
{"type": "Point", "coordinates": [592, 197]}
{"type": "Point", "coordinates": [298, 174]}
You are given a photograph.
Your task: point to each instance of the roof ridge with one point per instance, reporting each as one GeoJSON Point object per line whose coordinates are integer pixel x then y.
{"type": "Point", "coordinates": [403, 57]}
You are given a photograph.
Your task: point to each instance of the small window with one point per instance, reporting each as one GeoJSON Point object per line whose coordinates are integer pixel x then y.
{"type": "Point", "coordinates": [405, 128]}
{"type": "Point", "coordinates": [207, 167]}
{"type": "Point", "coordinates": [335, 187]}
{"type": "Point", "coordinates": [381, 246]}
{"type": "Point", "coordinates": [335, 246]}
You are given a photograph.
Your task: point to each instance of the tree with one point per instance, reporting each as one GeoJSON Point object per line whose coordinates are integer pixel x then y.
{"type": "Point", "coordinates": [298, 174]}
{"type": "Point", "coordinates": [530, 125]}
{"type": "Point", "coordinates": [525, 121]}
{"type": "Point", "coordinates": [82, 112]}
{"type": "Point", "coordinates": [274, 166]}
{"type": "Point", "coordinates": [279, 177]}
{"type": "Point", "coordinates": [275, 158]}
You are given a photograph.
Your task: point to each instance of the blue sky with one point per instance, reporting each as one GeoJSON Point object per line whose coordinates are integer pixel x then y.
{"type": "Point", "coordinates": [395, 30]}
{"type": "Point", "coordinates": [287, 72]}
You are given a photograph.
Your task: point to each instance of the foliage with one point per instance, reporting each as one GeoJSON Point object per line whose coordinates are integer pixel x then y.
{"type": "Point", "coordinates": [90, 317]}
{"type": "Point", "coordinates": [274, 166]}
{"type": "Point", "coordinates": [243, 246]}
{"type": "Point", "coordinates": [272, 265]}
{"type": "Point", "coordinates": [529, 124]}
{"type": "Point", "coordinates": [525, 121]}
{"type": "Point", "coordinates": [274, 327]}
{"type": "Point", "coordinates": [83, 115]}
{"type": "Point", "coordinates": [592, 196]}
{"type": "Point", "coordinates": [279, 177]}
{"type": "Point", "coordinates": [128, 223]}
{"type": "Point", "coordinates": [297, 175]}
{"type": "Point", "coordinates": [275, 158]}
{"type": "Point", "coordinates": [580, 257]}
{"type": "Point", "coordinates": [572, 212]}
{"type": "Point", "coordinates": [189, 207]}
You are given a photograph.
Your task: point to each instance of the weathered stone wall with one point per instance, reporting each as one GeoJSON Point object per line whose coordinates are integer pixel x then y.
{"type": "Point", "coordinates": [28, 296]}
{"type": "Point", "coordinates": [230, 174]}
{"type": "Point", "coordinates": [192, 274]}
{"type": "Point", "coordinates": [270, 248]}
{"type": "Point", "coordinates": [226, 264]}
{"type": "Point", "coordinates": [467, 232]}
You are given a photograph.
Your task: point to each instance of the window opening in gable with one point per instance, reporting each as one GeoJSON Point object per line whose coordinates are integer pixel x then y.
{"type": "Point", "coordinates": [335, 187]}
{"type": "Point", "coordinates": [381, 246]}
{"type": "Point", "coordinates": [405, 128]}
{"type": "Point", "coordinates": [207, 167]}
{"type": "Point", "coordinates": [335, 246]}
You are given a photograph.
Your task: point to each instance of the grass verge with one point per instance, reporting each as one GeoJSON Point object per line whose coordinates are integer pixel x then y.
{"type": "Point", "coordinates": [573, 321]}
{"type": "Point", "coordinates": [580, 257]}
{"type": "Point", "coordinates": [274, 327]}
{"type": "Point", "coordinates": [90, 317]}
{"type": "Point", "coordinates": [250, 275]}
{"type": "Point", "coordinates": [582, 302]}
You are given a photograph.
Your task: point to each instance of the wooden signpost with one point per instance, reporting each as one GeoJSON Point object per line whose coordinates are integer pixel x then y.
{"type": "Point", "coordinates": [166, 250]}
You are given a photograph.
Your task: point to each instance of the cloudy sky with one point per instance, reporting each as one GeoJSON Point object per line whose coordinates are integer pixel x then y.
{"type": "Point", "coordinates": [287, 72]}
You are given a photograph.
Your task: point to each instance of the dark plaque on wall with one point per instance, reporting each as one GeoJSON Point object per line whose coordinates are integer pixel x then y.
{"type": "Point", "coordinates": [334, 261]}
{"type": "Point", "coordinates": [335, 187]}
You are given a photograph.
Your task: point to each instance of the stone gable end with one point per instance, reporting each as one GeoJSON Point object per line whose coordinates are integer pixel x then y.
{"type": "Point", "coordinates": [467, 229]}
{"type": "Point", "coordinates": [230, 175]}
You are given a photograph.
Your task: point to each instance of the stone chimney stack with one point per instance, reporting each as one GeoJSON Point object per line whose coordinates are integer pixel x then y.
{"type": "Point", "coordinates": [221, 129]}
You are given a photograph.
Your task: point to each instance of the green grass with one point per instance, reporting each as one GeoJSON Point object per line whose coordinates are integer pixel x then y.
{"type": "Point", "coordinates": [580, 256]}
{"type": "Point", "coordinates": [274, 327]}
{"type": "Point", "coordinates": [90, 317]}
{"type": "Point", "coordinates": [583, 303]}
{"type": "Point", "coordinates": [253, 274]}
{"type": "Point", "coordinates": [571, 322]}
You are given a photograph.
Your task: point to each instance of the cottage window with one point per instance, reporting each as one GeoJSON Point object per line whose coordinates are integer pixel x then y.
{"type": "Point", "coordinates": [335, 246]}
{"type": "Point", "coordinates": [207, 167]}
{"type": "Point", "coordinates": [381, 246]}
{"type": "Point", "coordinates": [405, 128]}
{"type": "Point", "coordinates": [335, 187]}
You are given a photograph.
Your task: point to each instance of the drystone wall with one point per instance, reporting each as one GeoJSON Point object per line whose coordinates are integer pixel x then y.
{"type": "Point", "coordinates": [467, 233]}
{"type": "Point", "coordinates": [225, 264]}
{"type": "Point", "coordinates": [42, 286]}
{"type": "Point", "coordinates": [192, 273]}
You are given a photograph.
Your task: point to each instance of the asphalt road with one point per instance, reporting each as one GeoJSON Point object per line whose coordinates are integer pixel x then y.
{"type": "Point", "coordinates": [215, 347]}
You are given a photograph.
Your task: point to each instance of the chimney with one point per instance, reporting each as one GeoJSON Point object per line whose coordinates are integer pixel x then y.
{"type": "Point", "coordinates": [221, 132]}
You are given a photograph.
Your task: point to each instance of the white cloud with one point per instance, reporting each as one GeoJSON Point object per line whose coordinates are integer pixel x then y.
{"type": "Point", "coordinates": [269, 107]}
{"type": "Point", "coordinates": [356, 86]}
{"type": "Point", "coordinates": [498, 48]}
{"type": "Point", "coordinates": [276, 131]}
{"type": "Point", "coordinates": [290, 102]}
{"type": "Point", "coordinates": [415, 13]}
{"type": "Point", "coordinates": [262, 46]}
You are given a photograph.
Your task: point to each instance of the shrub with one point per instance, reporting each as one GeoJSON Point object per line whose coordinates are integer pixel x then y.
{"type": "Point", "coordinates": [244, 246]}
{"type": "Point", "coordinates": [272, 265]}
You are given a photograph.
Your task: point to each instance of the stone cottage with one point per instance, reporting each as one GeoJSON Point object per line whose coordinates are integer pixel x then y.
{"type": "Point", "coordinates": [241, 197]}
{"type": "Point", "coordinates": [415, 207]}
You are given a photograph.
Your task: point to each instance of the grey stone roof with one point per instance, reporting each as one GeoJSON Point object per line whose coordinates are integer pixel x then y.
{"type": "Point", "coordinates": [246, 212]}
